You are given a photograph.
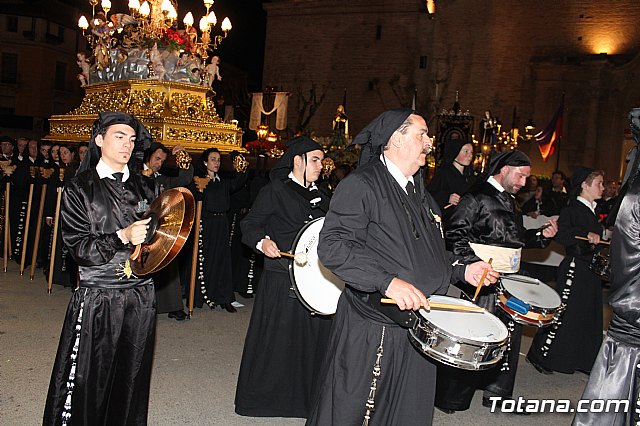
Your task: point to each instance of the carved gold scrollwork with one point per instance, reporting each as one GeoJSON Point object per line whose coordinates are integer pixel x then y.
{"type": "Point", "coordinates": [146, 103]}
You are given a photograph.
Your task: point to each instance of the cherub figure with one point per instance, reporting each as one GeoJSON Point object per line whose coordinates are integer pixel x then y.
{"type": "Point", "coordinates": [83, 81]}
{"type": "Point", "coordinates": [84, 65]}
{"type": "Point", "coordinates": [213, 71]}
{"type": "Point", "coordinates": [156, 60]}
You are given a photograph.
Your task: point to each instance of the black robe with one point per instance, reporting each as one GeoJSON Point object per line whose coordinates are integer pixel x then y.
{"type": "Point", "coordinates": [616, 373]}
{"type": "Point", "coordinates": [486, 216]}
{"type": "Point", "coordinates": [285, 344]}
{"type": "Point", "coordinates": [104, 359]}
{"type": "Point", "coordinates": [373, 233]}
{"type": "Point", "coordinates": [167, 282]}
{"type": "Point", "coordinates": [448, 179]}
{"type": "Point", "coordinates": [65, 269]}
{"type": "Point", "coordinates": [214, 284]}
{"type": "Point", "coordinates": [573, 343]}
{"type": "Point", "coordinates": [23, 182]}
{"type": "Point", "coordinates": [242, 257]}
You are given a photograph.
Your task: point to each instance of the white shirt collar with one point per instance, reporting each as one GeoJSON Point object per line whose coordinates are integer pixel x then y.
{"type": "Point", "coordinates": [495, 184]}
{"type": "Point", "coordinates": [592, 206]}
{"type": "Point", "coordinates": [312, 185]}
{"type": "Point", "coordinates": [145, 167]}
{"type": "Point", "coordinates": [396, 173]}
{"type": "Point", "coordinates": [105, 171]}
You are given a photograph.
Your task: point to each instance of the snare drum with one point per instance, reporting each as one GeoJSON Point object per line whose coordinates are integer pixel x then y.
{"type": "Point", "coordinates": [466, 340]}
{"type": "Point", "coordinates": [528, 301]}
{"type": "Point", "coordinates": [317, 288]}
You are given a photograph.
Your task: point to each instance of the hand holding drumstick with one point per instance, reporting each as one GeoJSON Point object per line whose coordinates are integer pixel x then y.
{"type": "Point", "coordinates": [593, 238]}
{"type": "Point", "coordinates": [480, 274]}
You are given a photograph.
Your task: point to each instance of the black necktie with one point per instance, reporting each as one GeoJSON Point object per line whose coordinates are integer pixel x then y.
{"type": "Point", "coordinates": [411, 192]}
{"type": "Point", "coordinates": [118, 177]}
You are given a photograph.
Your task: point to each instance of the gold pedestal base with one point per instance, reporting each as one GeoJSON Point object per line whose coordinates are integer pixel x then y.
{"type": "Point", "coordinates": [174, 114]}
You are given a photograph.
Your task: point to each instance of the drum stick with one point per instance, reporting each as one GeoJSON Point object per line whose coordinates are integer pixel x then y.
{"type": "Point", "coordinates": [285, 254]}
{"type": "Point", "coordinates": [36, 243]}
{"type": "Point", "coordinates": [194, 258]}
{"type": "Point", "coordinates": [6, 225]}
{"type": "Point", "coordinates": [578, 237]}
{"type": "Point", "coordinates": [25, 240]}
{"type": "Point", "coordinates": [54, 241]}
{"type": "Point", "coordinates": [447, 206]}
{"type": "Point", "coordinates": [484, 275]}
{"type": "Point", "coordinates": [447, 306]}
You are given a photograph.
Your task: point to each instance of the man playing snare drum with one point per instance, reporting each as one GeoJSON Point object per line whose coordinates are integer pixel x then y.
{"type": "Point", "coordinates": [383, 237]}
{"type": "Point", "coordinates": [487, 215]}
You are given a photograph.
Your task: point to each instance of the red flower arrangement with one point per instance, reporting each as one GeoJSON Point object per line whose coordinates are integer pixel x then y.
{"type": "Point", "coordinates": [175, 41]}
{"type": "Point", "coordinates": [259, 146]}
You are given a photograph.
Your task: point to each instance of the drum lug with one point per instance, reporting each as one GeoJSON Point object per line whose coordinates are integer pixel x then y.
{"type": "Point", "coordinates": [454, 351]}
{"type": "Point", "coordinates": [432, 340]}
{"type": "Point", "coordinates": [478, 355]}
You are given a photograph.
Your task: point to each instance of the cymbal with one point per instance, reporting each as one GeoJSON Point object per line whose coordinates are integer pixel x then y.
{"type": "Point", "coordinates": [172, 214]}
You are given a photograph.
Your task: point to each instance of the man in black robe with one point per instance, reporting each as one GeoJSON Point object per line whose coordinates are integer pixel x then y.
{"type": "Point", "coordinates": [614, 376]}
{"type": "Point", "coordinates": [383, 237]}
{"type": "Point", "coordinates": [102, 370]}
{"type": "Point", "coordinates": [285, 343]}
{"type": "Point", "coordinates": [167, 281]}
{"type": "Point", "coordinates": [487, 215]}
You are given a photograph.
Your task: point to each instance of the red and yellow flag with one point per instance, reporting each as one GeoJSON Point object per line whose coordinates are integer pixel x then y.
{"type": "Point", "coordinates": [549, 138]}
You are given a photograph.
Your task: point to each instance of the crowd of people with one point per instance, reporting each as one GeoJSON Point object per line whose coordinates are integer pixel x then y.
{"type": "Point", "coordinates": [387, 233]}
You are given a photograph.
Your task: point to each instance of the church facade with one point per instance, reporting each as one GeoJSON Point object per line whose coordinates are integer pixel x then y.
{"type": "Point", "coordinates": [497, 55]}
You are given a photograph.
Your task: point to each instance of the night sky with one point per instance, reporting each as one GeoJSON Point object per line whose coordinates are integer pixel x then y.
{"type": "Point", "coordinates": [244, 47]}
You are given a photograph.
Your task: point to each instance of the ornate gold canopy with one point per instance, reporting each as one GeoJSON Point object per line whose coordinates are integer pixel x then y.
{"type": "Point", "coordinates": [174, 113]}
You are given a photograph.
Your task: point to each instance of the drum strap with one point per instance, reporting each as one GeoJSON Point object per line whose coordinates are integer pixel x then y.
{"type": "Point", "coordinates": [316, 198]}
{"type": "Point", "coordinates": [377, 371]}
{"type": "Point", "coordinates": [405, 319]}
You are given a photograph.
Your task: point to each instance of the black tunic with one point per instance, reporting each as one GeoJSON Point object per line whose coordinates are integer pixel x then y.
{"type": "Point", "coordinates": [23, 183]}
{"type": "Point", "coordinates": [573, 343]}
{"type": "Point", "coordinates": [616, 372]}
{"type": "Point", "coordinates": [103, 365]}
{"type": "Point", "coordinates": [285, 344]}
{"type": "Point", "coordinates": [486, 216]}
{"type": "Point", "coordinates": [373, 233]}
{"type": "Point", "coordinates": [65, 269]}
{"type": "Point", "coordinates": [216, 287]}
{"type": "Point", "coordinates": [448, 179]}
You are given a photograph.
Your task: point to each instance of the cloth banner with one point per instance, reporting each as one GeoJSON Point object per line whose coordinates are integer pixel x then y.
{"type": "Point", "coordinates": [279, 107]}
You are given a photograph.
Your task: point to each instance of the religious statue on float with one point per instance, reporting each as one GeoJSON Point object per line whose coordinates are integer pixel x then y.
{"type": "Point", "coordinates": [341, 123]}
{"type": "Point", "coordinates": [489, 127]}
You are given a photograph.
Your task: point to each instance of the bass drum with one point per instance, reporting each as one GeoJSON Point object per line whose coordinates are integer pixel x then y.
{"type": "Point", "coordinates": [317, 288]}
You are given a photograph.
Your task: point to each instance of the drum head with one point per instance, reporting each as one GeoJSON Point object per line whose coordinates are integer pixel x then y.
{"type": "Point", "coordinates": [317, 288]}
{"type": "Point", "coordinates": [531, 290]}
{"type": "Point", "coordinates": [480, 327]}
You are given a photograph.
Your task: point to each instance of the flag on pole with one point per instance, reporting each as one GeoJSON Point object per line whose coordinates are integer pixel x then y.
{"type": "Point", "coordinates": [549, 138]}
